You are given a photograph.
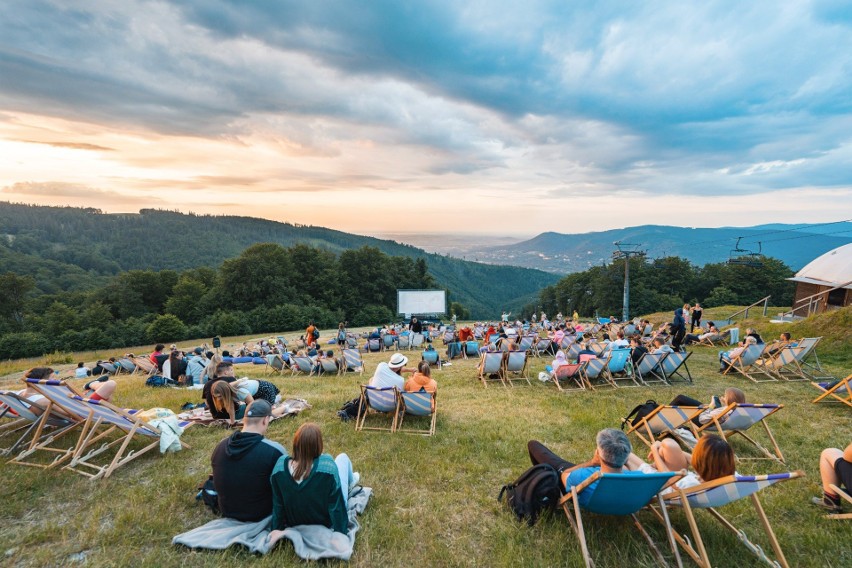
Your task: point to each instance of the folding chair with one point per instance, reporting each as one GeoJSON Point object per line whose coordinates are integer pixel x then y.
{"type": "Point", "coordinates": [449, 337]}
{"type": "Point", "coordinates": [376, 400]}
{"type": "Point", "coordinates": [491, 364]}
{"type": "Point", "coordinates": [674, 363]}
{"type": "Point", "coordinates": [573, 351]}
{"type": "Point", "coordinates": [126, 365]}
{"type": "Point", "coordinates": [841, 391]}
{"type": "Point", "coordinates": [22, 419]}
{"type": "Point", "coordinates": [712, 340]}
{"type": "Point", "coordinates": [664, 421]}
{"type": "Point", "coordinates": [373, 345]}
{"type": "Point", "coordinates": [621, 494]}
{"type": "Point", "coordinates": [388, 342]}
{"type": "Point", "coordinates": [352, 361]}
{"type": "Point", "coordinates": [515, 367]}
{"type": "Point", "coordinates": [597, 347]}
{"type": "Point", "coordinates": [274, 364]}
{"type": "Point", "coordinates": [541, 346]}
{"type": "Point", "coordinates": [784, 363]}
{"type": "Point", "coordinates": [650, 369]}
{"type": "Point", "coordinates": [572, 372]}
{"type": "Point", "coordinates": [145, 365]}
{"type": "Point", "coordinates": [417, 404]}
{"type": "Point", "coordinates": [746, 362]}
{"type": "Point", "coordinates": [737, 418]}
{"type": "Point", "coordinates": [595, 370]}
{"type": "Point", "coordinates": [403, 342]}
{"type": "Point", "coordinates": [432, 357]}
{"type": "Point", "coordinates": [718, 493]}
{"type": "Point", "coordinates": [567, 341]}
{"type": "Point", "coordinates": [526, 343]}
{"type": "Point", "coordinates": [471, 349]}
{"type": "Point", "coordinates": [301, 365]}
{"type": "Point", "coordinates": [329, 367]}
{"type": "Point", "coordinates": [417, 340]}
{"type": "Point", "coordinates": [846, 497]}
{"type": "Point", "coordinates": [809, 345]}
{"type": "Point", "coordinates": [617, 363]}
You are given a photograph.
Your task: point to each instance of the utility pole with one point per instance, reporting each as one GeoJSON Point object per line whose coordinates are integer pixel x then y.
{"type": "Point", "coordinates": [626, 251]}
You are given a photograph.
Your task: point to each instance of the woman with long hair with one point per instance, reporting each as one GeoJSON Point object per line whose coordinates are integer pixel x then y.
{"type": "Point", "coordinates": [712, 458]}
{"type": "Point", "coordinates": [310, 487]}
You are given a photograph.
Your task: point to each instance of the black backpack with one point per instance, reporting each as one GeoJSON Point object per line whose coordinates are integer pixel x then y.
{"type": "Point", "coordinates": [536, 489]}
{"type": "Point", "coordinates": [638, 413]}
{"type": "Point", "coordinates": [207, 494]}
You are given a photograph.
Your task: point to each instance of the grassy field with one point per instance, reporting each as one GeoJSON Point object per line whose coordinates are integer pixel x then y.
{"type": "Point", "coordinates": [434, 498]}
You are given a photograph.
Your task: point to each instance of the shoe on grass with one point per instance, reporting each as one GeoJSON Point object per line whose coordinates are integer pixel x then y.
{"type": "Point", "coordinates": [355, 479]}
{"type": "Point", "coordinates": [826, 504]}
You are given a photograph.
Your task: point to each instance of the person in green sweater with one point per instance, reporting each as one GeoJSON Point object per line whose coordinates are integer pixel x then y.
{"type": "Point", "coordinates": [310, 487]}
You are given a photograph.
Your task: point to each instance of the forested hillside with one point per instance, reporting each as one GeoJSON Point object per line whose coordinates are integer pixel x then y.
{"type": "Point", "coordinates": [72, 249]}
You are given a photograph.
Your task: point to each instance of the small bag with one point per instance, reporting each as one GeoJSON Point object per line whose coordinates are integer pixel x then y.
{"type": "Point", "coordinates": [638, 413]}
{"type": "Point", "coordinates": [537, 489]}
{"type": "Point", "coordinates": [208, 495]}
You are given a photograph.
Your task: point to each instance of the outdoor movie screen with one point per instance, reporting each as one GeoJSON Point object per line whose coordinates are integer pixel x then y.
{"type": "Point", "coordinates": [421, 301]}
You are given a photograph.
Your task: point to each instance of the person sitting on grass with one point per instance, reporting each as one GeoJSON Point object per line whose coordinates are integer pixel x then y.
{"type": "Point", "coordinates": [835, 468]}
{"type": "Point", "coordinates": [82, 371]}
{"type": "Point", "coordinates": [310, 487]}
{"type": "Point", "coordinates": [242, 464]}
{"type": "Point", "coordinates": [613, 449]}
{"type": "Point", "coordinates": [712, 458]}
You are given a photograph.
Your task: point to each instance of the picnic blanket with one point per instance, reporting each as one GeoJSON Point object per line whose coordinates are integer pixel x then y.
{"type": "Point", "coordinates": [310, 542]}
{"type": "Point", "coordinates": [203, 417]}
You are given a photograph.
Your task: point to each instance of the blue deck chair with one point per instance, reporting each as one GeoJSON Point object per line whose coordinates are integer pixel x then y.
{"type": "Point", "coordinates": [841, 391]}
{"type": "Point", "coordinates": [403, 342]}
{"type": "Point", "coordinates": [353, 361]}
{"type": "Point", "coordinates": [454, 350]}
{"type": "Point", "coordinates": [126, 365]}
{"type": "Point", "coordinates": [619, 367]}
{"type": "Point", "coordinates": [594, 373]}
{"type": "Point", "coordinates": [432, 357]}
{"type": "Point", "coordinates": [417, 340]}
{"type": "Point", "coordinates": [515, 367]}
{"type": "Point", "coordinates": [373, 345]}
{"type": "Point", "coordinates": [29, 426]}
{"type": "Point", "coordinates": [604, 321]}
{"type": "Point", "coordinates": [491, 367]}
{"type": "Point", "coordinates": [675, 366]}
{"type": "Point", "coordinates": [746, 364]}
{"type": "Point", "coordinates": [572, 373]}
{"type": "Point", "coordinates": [388, 342]}
{"type": "Point", "coordinates": [664, 421]}
{"type": "Point", "coordinates": [418, 404]}
{"type": "Point", "coordinates": [715, 494]}
{"type": "Point", "coordinates": [738, 418]}
{"type": "Point", "coordinates": [378, 401]}
{"type": "Point", "coordinates": [471, 349]}
{"type": "Point", "coordinates": [301, 365]}
{"type": "Point", "coordinates": [541, 346]}
{"type": "Point", "coordinates": [274, 364]}
{"type": "Point", "coordinates": [620, 494]}
{"type": "Point", "coordinates": [650, 370]}
{"type": "Point", "coordinates": [351, 341]}
{"type": "Point", "coordinates": [329, 366]}
{"type": "Point", "coordinates": [526, 342]}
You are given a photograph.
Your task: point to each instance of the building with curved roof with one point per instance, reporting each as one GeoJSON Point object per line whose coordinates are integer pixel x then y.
{"type": "Point", "coordinates": [825, 283]}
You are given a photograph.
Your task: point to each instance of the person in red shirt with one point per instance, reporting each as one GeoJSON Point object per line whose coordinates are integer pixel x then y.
{"type": "Point", "coordinates": [465, 334]}
{"type": "Point", "coordinates": [158, 350]}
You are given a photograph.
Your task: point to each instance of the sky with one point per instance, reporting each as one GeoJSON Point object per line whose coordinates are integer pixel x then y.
{"type": "Point", "coordinates": [467, 117]}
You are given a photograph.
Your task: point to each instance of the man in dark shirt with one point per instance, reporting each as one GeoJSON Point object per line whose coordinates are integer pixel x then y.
{"type": "Point", "coordinates": [224, 372]}
{"type": "Point", "coordinates": [415, 326]}
{"type": "Point", "coordinates": [242, 464]}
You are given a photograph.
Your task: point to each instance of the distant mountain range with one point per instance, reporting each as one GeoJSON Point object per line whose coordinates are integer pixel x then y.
{"type": "Point", "coordinates": [795, 245]}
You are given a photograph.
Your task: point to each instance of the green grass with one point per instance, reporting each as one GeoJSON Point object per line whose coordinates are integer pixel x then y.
{"type": "Point", "coordinates": [433, 497]}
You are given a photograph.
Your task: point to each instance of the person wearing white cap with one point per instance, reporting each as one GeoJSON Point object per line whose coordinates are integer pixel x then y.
{"type": "Point", "coordinates": [390, 374]}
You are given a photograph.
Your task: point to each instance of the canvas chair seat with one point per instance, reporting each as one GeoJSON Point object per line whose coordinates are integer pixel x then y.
{"type": "Point", "coordinates": [571, 373]}
{"type": "Point", "coordinates": [515, 367]}
{"type": "Point", "coordinates": [374, 401]}
{"type": "Point", "coordinates": [419, 404]}
{"type": "Point", "coordinates": [491, 367]}
{"type": "Point", "coordinates": [619, 367]}
{"type": "Point", "coordinates": [649, 369]}
{"type": "Point", "coordinates": [353, 361]}
{"type": "Point", "coordinates": [737, 418]}
{"type": "Point", "coordinates": [664, 421]}
{"type": "Point", "coordinates": [841, 391]}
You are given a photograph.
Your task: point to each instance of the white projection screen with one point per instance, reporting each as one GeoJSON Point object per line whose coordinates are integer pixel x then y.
{"type": "Point", "coordinates": [421, 302]}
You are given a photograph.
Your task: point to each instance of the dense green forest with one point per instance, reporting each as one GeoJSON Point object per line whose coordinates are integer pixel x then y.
{"type": "Point", "coordinates": [67, 249]}
{"type": "Point", "coordinates": [665, 284]}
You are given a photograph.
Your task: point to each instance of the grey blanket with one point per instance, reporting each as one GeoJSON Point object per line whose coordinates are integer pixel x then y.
{"type": "Point", "coordinates": [310, 542]}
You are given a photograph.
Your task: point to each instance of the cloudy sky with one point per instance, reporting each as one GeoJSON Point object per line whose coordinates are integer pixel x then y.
{"type": "Point", "coordinates": [465, 116]}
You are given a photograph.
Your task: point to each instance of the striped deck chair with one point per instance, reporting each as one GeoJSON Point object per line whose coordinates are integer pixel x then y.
{"type": "Point", "coordinates": [449, 337]}
{"type": "Point", "coordinates": [376, 400]}
{"type": "Point", "coordinates": [403, 342]}
{"type": "Point", "coordinates": [619, 367]}
{"type": "Point", "coordinates": [301, 365]}
{"type": "Point", "coordinates": [329, 366]}
{"type": "Point", "coordinates": [515, 367]}
{"type": "Point", "coordinates": [417, 340]}
{"type": "Point", "coordinates": [145, 365]}
{"type": "Point", "coordinates": [567, 341]}
{"type": "Point", "coordinates": [29, 426]}
{"type": "Point", "coordinates": [738, 418]}
{"type": "Point", "coordinates": [491, 367]}
{"type": "Point", "coordinates": [715, 494]}
{"type": "Point", "coordinates": [433, 358]}
{"type": "Point", "coordinates": [843, 495]}
{"type": "Point", "coordinates": [126, 365]}
{"type": "Point", "coordinates": [541, 346]}
{"type": "Point", "coordinates": [664, 421]}
{"type": "Point", "coordinates": [373, 345]}
{"type": "Point", "coordinates": [388, 342]}
{"type": "Point", "coordinates": [353, 361]}
{"type": "Point", "coordinates": [789, 362]}
{"type": "Point", "coordinates": [649, 329]}
{"type": "Point", "coordinates": [841, 391]}
{"type": "Point", "coordinates": [620, 494]}
{"type": "Point", "coordinates": [712, 340]}
{"type": "Point", "coordinates": [418, 404]}
{"type": "Point", "coordinates": [282, 340]}
{"type": "Point", "coordinates": [746, 362]}
{"type": "Point", "coordinates": [573, 351]}
{"type": "Point", "coordinates": [629, 330]}
{"type": "Point", "coordinates": [814, 369]}
{"type": "Point", "coordinates": [604, 321]}
{"type": "Point", "coordinates": [274, 364]}
{"type": "Point", "coordinates": [597, 347]}
{"type": "Point", "coordinates": [526, 342]}
{"type": "Point", "coordinates": [650, 369]}
{"type": "Point", "coordinates": [572, 373]}
{"type": "Point", "coordinates": [595, 370]}
{"type": "Point", "coordinates": [675, 365]}
{"type": "Point", "coordinates": [470, 349]}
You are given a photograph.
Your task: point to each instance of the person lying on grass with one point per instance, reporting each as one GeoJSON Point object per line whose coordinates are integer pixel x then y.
{"type": "Point", "coordinates": [712, 458]}
{"type": "Point", "coordinates": [234, 398]}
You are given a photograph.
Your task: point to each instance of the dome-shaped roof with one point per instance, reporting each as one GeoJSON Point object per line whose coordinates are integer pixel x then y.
{"type": "Point", "coordinates": [834, 268]}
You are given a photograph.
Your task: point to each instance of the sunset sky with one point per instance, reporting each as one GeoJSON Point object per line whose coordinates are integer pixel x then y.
{"type": "Point", "coordinates": [512, 117]}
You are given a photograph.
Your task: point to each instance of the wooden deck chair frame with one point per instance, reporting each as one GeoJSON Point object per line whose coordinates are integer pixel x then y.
{"type": "Point", "coordinates": [810, 344]}
{"type": "Point", "coordinates": [537, 349]}
{"type": "Point", "coordinates": [491, 363]}
{"type": "Point", "coordinates": [712, 340]}
{"type": "Point", "coordinates": [679, 363]}
{"type": "Point", "coordinates": [297, 365]}
{"type": "Point", "coordinates": [514, 371]}
{"type": "Point", "coordinates": [145, 365]}
{"type": "Point", "coordinates": [598, 367]}
{"type": "Point", "coordinates": [844, 496]}
{"type": "Point", "coordinates": [125, 365]}
{"type": "Point", "coordinates": [365, 407]}
{"type": "Point", "coordinates": [680, 498]}
{"type": "Point", "coordinates": [470, 349]}
{"type": "Point", "coordinates": [329, 366]}
{"type": "Point", "coordinates": [746, 362]}
{"type": "Point", "coordinates": [597, 347]}
{"type": "Point", "coordinates": [570, 372]}
{"type": "Point", "coordinates": [647, 368]}
{"type": "Point", "coordinates": [627, 370]}
{"type": "Point", "coordinates": [571, 506]}
{"type": "Point", "coordinates": [784, 363]}
{"type": "Point", "coordinates": [350, 356]}
{"type": "Point", "coordinates": [835, 392]}
{"type": "Point", "coordinates": [31, 424]}
{"type": "Point", "coordinates": [415, 404]}
{"type": "Point", "coordinates": [664, 421]}
{"type": "Point", "coordinates": [727, 428]}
